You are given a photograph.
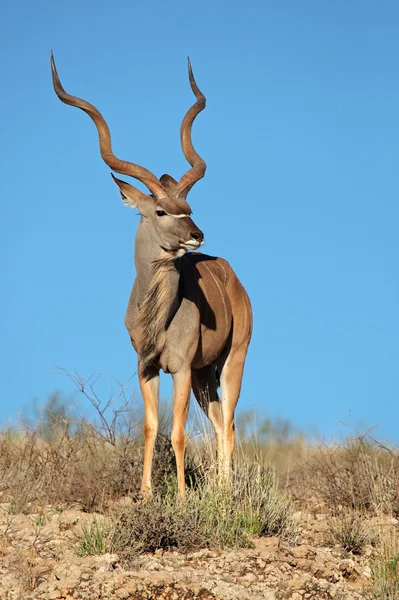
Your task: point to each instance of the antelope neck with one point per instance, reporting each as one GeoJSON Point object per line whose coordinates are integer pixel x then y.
{"type": "Point", "coordinates": [147, 254]}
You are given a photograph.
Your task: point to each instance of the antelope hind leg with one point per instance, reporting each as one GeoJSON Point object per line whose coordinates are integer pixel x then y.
{"type": "Point", "coordinates": [231, 372]}
{"type": "Point", "coordinates": [204, 384]}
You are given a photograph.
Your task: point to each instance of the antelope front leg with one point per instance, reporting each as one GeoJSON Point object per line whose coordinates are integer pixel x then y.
{"type": "Point", "coordinates": [181, 403]}
{"type": "Point", "coordinates": [149, 385]}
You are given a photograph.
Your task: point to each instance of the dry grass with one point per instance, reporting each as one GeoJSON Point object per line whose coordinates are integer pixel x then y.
{"type": "Point", "coordinates": [74, 468]}
{"type": "Point", "coordinates": [358, 474]}
{"type": "Point", "coordinates": [213, 514]}
{"type": "Point", "coordinates": [67, 462]}
{"type": "Point", "coordinates": [350, 532]}
{"type": "Point", "coordinates": [64, 460]}
{"type": "Point", "coordinates": [76, 463]}
{"type": "Point", "coordinates": [61, 463]}
{"type": "Point", "coordinates": [385, 570]}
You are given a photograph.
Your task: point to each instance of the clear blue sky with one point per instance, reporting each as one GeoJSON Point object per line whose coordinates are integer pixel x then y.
{"type": "Point", "coordinates": [301, 138]}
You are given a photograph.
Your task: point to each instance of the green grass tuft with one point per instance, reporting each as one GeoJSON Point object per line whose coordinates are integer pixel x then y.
{"type": "Point", "coordinates": [93, 540]}
{"type": "Point", "coordinates": [214, 514]}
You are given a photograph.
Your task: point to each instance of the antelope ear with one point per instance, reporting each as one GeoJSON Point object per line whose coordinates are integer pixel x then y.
{"type": "Point", "coordinates": [130, 195]}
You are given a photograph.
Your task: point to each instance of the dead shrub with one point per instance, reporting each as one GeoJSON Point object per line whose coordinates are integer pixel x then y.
{"type": "Point", "coordinates": [358, 474]}
{"type": "Point", "coordinates": [157, 523]}
{"type": "Point", "coordinates": [66, 460]}
{"type": "Point", "coordinates": [350, 532]}
{"type": "Point", "coordinates": [29, 575]}
{"type": "Point", "coordinates": [78, 467]}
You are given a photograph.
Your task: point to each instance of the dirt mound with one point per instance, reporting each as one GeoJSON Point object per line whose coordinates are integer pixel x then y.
{"type": "Point", "coordinates": [38, 561]}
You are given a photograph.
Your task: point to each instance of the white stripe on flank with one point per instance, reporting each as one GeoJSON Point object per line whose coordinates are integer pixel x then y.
{"type": "Point", "coordinates": [221, 294]}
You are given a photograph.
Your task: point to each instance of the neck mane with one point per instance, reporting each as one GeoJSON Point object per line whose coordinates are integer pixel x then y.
{"type": "Point", "coordinates": [157, 279]}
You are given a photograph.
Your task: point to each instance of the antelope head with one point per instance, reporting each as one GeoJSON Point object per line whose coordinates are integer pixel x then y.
{"type": "Point", "coordinates": [165, 211]}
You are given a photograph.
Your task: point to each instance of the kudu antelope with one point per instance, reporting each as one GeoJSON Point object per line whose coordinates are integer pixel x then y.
{"type": "Point", "coordinates": [188, 313]}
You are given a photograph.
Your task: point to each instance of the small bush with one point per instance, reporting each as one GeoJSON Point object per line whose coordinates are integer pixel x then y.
{"type": "Point", "coordinates": [350, 532]}
{"type": "Point", "coordinates": [213, 514]}
{"type": "Point", "coordinates": [358, 474]}
{"type": "Point", "coordinates": [77, 467]}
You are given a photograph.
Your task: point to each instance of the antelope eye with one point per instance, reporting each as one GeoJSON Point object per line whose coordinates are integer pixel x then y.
{"type": "Point", "coordinates": [160, 213]}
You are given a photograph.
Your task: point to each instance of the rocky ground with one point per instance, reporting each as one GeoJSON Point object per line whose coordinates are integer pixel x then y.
{"type": "Point", "coordinates": [38, 561]}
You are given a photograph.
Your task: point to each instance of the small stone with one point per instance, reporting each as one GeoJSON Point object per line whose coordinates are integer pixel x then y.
{"type": "Point", "coordinates": [296, 583]}
{"type": "Point", "coordinates": [347, 566]}
{"type": "Point", "coordinates": [251, 577]}
{"type": "Point", "coordinates": [303, 552]}
{"type": "Point", "coordinates": [272, 542]}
